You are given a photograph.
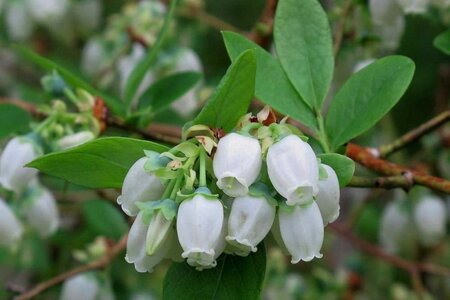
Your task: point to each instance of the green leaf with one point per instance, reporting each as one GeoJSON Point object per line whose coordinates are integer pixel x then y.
{"type": "Point", "coordinates": [168, 89]}
{"type": "Point", "coordinates": [272, 85]}
{"type": "Point", "coordinates": [102, 163]}
{"type": "Point", "coordinates": [112, 223]}
{"type": "Point", "coordinates": [342, 165]}
{"type": "Point", "coordinates": [12, 119]}
{"type": "Point", "coordinates": [442, 42]}
{"type": "Point", "coordinates": [233, 95]}
{"type": "Point", "coordinates": [304, 46]}
{"type": "Point", "coordinates": [138, 73]}
{"type": "Point", "coordinates": [233, 278]}
{"type": "Point", "coordinates": [366, 97]}
{"type": "Point", "coordinates": [114, 104]}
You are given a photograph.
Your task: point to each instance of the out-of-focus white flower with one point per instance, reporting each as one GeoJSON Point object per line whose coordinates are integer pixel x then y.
{"type": "Point", "coordinates": [199, 227]}
{"type": "Point", "coordinates": [41, 211]}
{"type": "Point", "coordinates": [92, 57]}
{"type": "Point", "coordinates": [441, 3]}
{"type": "Point", "coordinates": [388, 20]}
{"type": "Point", "coordinates": [87, 14]}
{"type": "Point", "coordinates": [395, 227]}
{"type": "Point", "coordinates": [250, 220]}
{"type": "Point", "coordinates": [237, 163]}
{"type": "Point", "coordinates": [82, 286]}
{"type": "Point", "coordinates": [18, 152]}
{"type": "Point", "coordinates": [414, 6]}
{"type": "Point", "coordinates": [328, 197]}
{"type": "Point", "coordinates": [18, 23]}
{"type": "Point", "coordinates": [362, 64]}
{"type": "Point", "coordinates": [75, 139]}
{"type": "Point", "coordinates": [47, 11]}
{"type": "Point", "coordinates": [430, 217]}
{"type": "Point", "coordinates": [293, 170]}
{"type": "Point", "coordinates": [301, 228]}
{"type": "Point", "coordinates": [139, 186]}
{"type": "Point", "coordinates": [10, 228]}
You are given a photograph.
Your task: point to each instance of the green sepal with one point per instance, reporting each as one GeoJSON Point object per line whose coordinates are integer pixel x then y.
{"type": "Point", "coordinates": [322, 172]}
{"type": "Point", "coordinates": [198, 129]}
{"type": "Point", "coordinates": [168, 208]}
{"type": "Point", "coordinates": [259, 189]}
{"type": "Point", "coordinates": [154, 161]}
{"type": "Point", "coordinates": [188, 148]}
{"type": "Point", "coordinates": [165, 173]}
{"type": "Point", "coordinates": [172, 156]}
{"type": "Point", "coordinates": [249, 128]}
{"type": "Point", "coordinates": [204, 191]}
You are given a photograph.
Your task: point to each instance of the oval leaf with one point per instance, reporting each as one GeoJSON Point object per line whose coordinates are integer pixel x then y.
{"type": "Point", "coordinates": [304, 47]}
{"type": "Point", "coordinates": [271, 86]}
{"type": "Point", "coordinates": [442, 42]}
{"type": "Point", "coordinates": [233, 95]}
{"type": "Point", "coordinates": [112, 224]}
{"type": "Point", "coordinates": [233, 278]}
{"type": "Point", "coordinates": [102, 163]}
{"type": "Point", "coordinates": [342, 165]}
{"type": "Point", "coordinates": [366, 97]}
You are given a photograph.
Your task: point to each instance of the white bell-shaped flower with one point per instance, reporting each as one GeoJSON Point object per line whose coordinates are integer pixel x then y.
{"type": "Point", "coordinates": [395, 227]}
{"type": "Point", "coordinates": [41, 211]}
{"type": "Point", "coordinates": [199, 227]}
{"type": "Point", "coordinates": [82, 286]}
{"type": "Point", "coordinates": [293, 170]}
{"type": "Point", "coordinates": [301, 228]}
{"type": "Point", "coordinates": [75, 139]}
{"type": "Point", "coordinates": [157, 233]}
{"type": "Point", "coordinates": [10, 228]}
{"type": "Point", "coordinates": [250, 220]}
{"type": "Point", "coordinates": [328, 197]}
{"type": "Point", "coordinates": [139, 186]}
{"type": "Point", "coordinates": [237, 163]}
{"type": "Point", "coordinates": [388, 21]}
{"type": "Point", "coordinates": [430, 217]}
{"type": "Point", "coordinates": [19, 25]}
{"type": "Point", "coordinates": [18, 152]}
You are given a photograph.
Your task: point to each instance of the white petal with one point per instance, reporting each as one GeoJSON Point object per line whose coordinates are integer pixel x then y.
{"type": "Point", "coordinates": [328, 197]}
{"type": "Point", "coordinates": [293, 170]}
{"type": "Point", "coordinates": [302, 231]}
{"type": "Point", "coordinates": [250, 220]}
{"type": "Point", "coordinates": [75, 139]}
{"type": "Point", "coordinates": [10, 227]}
{"type": "Point", "coordinates": [42, 213]}
{"type": "Point", "coordinates": [82, 286]}
{"type": "Point", "coordinates": [237, 163]}
{"type": "Point", "coordinates": [47, 11]}
{"type": "Point", "coordinates": [157, 233]}
{"type": "Point", "coordinates": [430, 218]}
{"type": "Point", "coordinates": [139, 186]}
{"type": "Point", "coordinates": [136, 239]}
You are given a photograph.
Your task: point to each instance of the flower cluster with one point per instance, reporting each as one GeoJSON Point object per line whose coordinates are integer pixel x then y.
{"type": "Point", "coordinates": [218, 193]}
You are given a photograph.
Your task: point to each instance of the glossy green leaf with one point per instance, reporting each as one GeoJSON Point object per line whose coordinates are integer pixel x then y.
{"type": "Point", "coordinates": [442, 42]}
{"type": "Point", "coordinates": [342, 165]}
{"type": "Point", "coordinates": [102, 163]}
{"type": "Point", "coordinates": [12, 119]}
{"type": "Point", "coordinates": [304, 47]}
{"type": "Point", "coordinates": [138, 73]}
{"type": "Point", "coordinates": [366, 97]}
{"type": "Point", "coordinates": [114, 104]}
{"type": "Point", "coordinates": [233, 95]}
{"type": "Point", "coordinates": [272, 85]}
{"type": "Point", "coordinates": [234, 277]}
{"type": "Point", "coordinates": [112, 223]}
{"type": "Point", "coordinates": [168, 89]}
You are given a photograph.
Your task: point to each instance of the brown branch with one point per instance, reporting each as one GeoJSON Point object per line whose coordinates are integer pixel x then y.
{"type": "Point", "coordinates": [410, 266]}
{"type": "Point", "coordinates": [389, 182]}
{"type": "Point", "coordinates": [414, 134]}
{"type": "Point", "coordinates": [210, 20]}
{"type": "Point", "coordinates": [368, 158]}
{"type": "Point", "coordinates": [97, 264]}
{"type": "Point", "coordinates": [262, 31]}
{"type": "Point", "coordinates": [340, 26]}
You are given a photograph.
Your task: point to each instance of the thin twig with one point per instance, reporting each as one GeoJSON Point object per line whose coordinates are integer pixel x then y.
{"type": "Point", "coordinates": [208, 19]}
{"type": "Point", "coordinates": [415, 134]}
{"type": "Point", "coordinates": [98, 264]}
{"type": "Point", "coordinates": [340, 26]}
{"type": "Point", "coordinates": [262, 31]}
{"type": "Point", "coordinates": [388, 182]}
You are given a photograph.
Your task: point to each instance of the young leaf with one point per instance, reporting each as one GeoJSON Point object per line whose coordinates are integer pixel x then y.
{"type": "Point", "coordinates": [442, 42]}
{"type": "Point", "coordinates": [233, 95]}
{"type": "Point", "coordinates": [114, 104]}
{"type": "Point", "coordinates": [112, 224]}
{"type": "Point", "coordinates": [163, 92]}
{"type": "Point", "coordinates": [342, 165]}
{"type": "Point", "coordinates": [234, 277]}
{"type": "Point", "coordinates": [12, 119]}
{"type": "Point", "coordinates": [304, 46]}
{"type": "Point", "coordinates": [366, 97]}
{"type": "Point", "coordinates": [102, 163]}
{"type": "Point", "coordinates": [138, 73]}
{"type": "Point", "coordinates": [272, 85]}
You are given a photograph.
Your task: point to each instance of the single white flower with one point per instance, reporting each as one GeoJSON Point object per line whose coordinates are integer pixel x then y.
{"type": "Point", "coordinates": [41, 211]}
{"type": "Point", "coordinates": [47, 11]}
{"type": "Point", "coordinates": [10, 228]}
{"type": "Point", "coordinates": [250, 220]}
{"type": "Point", "coordinates": [93, 57]}
{"type": "Point", "coordinates": [18, 22]}
{"type": "Point", "coordinates": [237, 163]}
{"type": "Point", "coordinates": [301, 228]}
{"type": "Point", "coordinates": [430, 217]}
{"type": "Point", "coordinates": [293, 170]}
{"type": "Point", "coordinates": [388, 21]}
{"type": "Point", "coordinates": [18, 152]}
{"type": "Point", "coordinates": [139, 186]}
{"type": "Point", "coordinates": [82, 286]}
{"type": "Point", "coordinates": [328, 197]}
{"type": "Point", "coordinates": [75, 139]}
{"type": "Point", "coordinates": [199, 227]}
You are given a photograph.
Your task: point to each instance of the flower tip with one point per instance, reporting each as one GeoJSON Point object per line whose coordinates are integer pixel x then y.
{"type": "Point", "coordinates": [241, 247]}
{"type": "Point", "coordinates": [306, 259]}
{"type": "Point", "coordinates": [302, 194]}
{"type": "Point", "coordinates": [200, 258]}
{"type": "Point", "coordinates": [232, 186]}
